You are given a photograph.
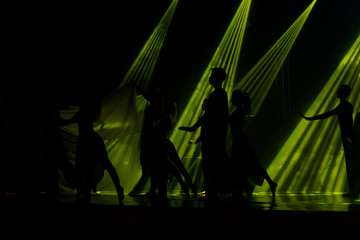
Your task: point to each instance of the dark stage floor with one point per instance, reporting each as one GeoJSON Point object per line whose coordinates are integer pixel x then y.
{"type": "Point", "coordinates": [290, 215]}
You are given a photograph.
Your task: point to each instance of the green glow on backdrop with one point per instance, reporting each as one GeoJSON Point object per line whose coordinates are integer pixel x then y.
{"type": "Point", "coordinates": [258, 81]}
{"type": "Point", "coordinates": [226, 56]}
{"type": "Point", "coordinates": [312, 159]}
{"type": "Point", "coordinates": [142, 68]}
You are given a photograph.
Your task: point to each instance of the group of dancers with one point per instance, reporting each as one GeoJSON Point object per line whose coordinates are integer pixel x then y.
{"type": "Point", "coordinates": [235, 174]}
{"type": "Point", "coordinates": [222, 174]}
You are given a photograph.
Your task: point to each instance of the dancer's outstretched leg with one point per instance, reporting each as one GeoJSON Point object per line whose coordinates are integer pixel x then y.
{"type": "Point", "coordinates": [115, 178]}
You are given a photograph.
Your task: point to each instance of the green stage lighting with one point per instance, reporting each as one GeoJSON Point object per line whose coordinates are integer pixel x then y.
{"type": "Point", "coordinates": [226, 56]}
{"type": "Point", "coordinates": [257, 83]}
{"type": "Point", "coordinates": [312, 159]}
{"type": "Point", "coordinates": [122, 113]}
{"type": "Point", "coordinates": [143, 67]}
{"type": "Point", "coordinates": [261, 77]}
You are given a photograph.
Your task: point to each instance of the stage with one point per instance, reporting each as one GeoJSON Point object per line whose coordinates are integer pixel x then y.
{"type": "Point", "coordinates": [289, 215]}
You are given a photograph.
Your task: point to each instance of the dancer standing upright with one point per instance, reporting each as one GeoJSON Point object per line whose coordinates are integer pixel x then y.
{"type": "Point", "coordinates": [344, 113]}
{"type": "Point", "coordinates": [213, 136]}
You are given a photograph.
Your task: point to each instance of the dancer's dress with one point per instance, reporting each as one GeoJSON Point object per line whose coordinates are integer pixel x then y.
{"type": "Point", "coordinates": [91, 157]}
{"type": "Point", "coordinates": [246, 164]}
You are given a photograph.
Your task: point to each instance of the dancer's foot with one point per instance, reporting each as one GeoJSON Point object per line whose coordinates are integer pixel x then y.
{"type": "Point", "coordinates": [120, 193]}
{"type": "Point", "coordinates": [273, 187]}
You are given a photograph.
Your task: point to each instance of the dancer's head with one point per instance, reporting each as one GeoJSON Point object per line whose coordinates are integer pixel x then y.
{"type": "Point", "coordinates": [343, 91]}
{"type": "Point", "coordinates": [241, 100]}
{"type": "Point", "coordinates": [217, 76]}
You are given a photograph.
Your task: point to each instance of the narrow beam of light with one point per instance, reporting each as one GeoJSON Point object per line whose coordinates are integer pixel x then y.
{"type": "Point", "coordinates": [258, 81]}
{"type": "Point", "coordinates": [226, 56]}
{"type": "Point", "coordinates": [312, 159]}
{"type": "Point", "coordinates": [143, 67]}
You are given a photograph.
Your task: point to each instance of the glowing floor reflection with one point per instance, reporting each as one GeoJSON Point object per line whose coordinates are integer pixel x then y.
{"type": "Point", "coordinates": [282, 202]}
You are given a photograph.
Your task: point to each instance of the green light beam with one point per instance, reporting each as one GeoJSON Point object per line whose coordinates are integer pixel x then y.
{"type": "Point", "coordinates": [258, 81]}
{"type": "Point", "coordinates": [312, 159]}
{"type": "Point", "coordinates": [143, 67]}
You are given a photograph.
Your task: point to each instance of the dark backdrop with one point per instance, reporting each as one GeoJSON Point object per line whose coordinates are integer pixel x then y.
{"type": "Point", "coordinates": [75, 47]}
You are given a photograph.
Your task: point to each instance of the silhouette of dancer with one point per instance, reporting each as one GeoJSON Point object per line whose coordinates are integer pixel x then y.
{"type": "Point", "coordinates": [91, 155]}
{"type": "Point", "coordinates": [344, 112]}
{"type": "Point", "coordinates": [242, 155]}
{"type": "Point", "coordinates": [158, 156]}
{"type": "Point", "coordinates": [213, 136]}
{"type": "Point", "coordinates": [150, 138]}
{"type": "Point", "coordinates": [176, 166]}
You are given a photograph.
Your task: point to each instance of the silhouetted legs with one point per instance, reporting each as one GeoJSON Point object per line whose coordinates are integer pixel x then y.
{"type": "Point", "coordinates": [109, 167]}
{"type": "Point", "coordinates": [208, 183]}
{"type": "Point", "coordinates": [216, 167]}
{"type": "Point", "coordinates": [91, 161]}
{"type": "Point", "coordinates": [255, 165]}
{"type": "Point", "coordinates": [184, 187]}
{"type": "Point", "coordinates": [271, 183]}
{"type": "Point", "coordinates": [352, 168]}
{"type": "Point", "coordinates": [178, 168]}
{"type": "Point", "coordinates": [159, 177]}
{"type": "Point", "coordinates": [145, 176]}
